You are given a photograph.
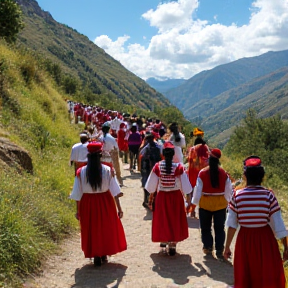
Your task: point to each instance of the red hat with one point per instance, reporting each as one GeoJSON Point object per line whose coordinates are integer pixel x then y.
{"type": "Point", "coordinates": [168, 144]}
{"type": "Point", "coordinates": [252, 161]}
{"type": "Point", "coordinates": [122, 125]}
{"type": "Point", "coordinates": [94, 147]}
{"type": "Point", "coordinates": [215, 153]}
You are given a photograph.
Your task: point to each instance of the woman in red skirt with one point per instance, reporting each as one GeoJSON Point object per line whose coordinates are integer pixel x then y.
{"type": "Point", "coordinates": [257, 260]}
{"type": "Point", "coordinates": [95, 191]}
{"type": "Point", "coordinates": [170, 182]}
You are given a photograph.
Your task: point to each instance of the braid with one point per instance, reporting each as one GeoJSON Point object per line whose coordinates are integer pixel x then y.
{"type": "Point", "coordinates": [168, 154]}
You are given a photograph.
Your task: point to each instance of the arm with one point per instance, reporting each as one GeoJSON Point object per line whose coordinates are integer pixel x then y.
{"type": "Point", "coordinates": [118, 205]}
{"type": "Point", "coordinates": [230, 236]}
{"type": "Point", "coordinates": [197, 193]}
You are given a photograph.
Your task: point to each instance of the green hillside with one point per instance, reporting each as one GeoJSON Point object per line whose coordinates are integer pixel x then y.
{"type": "Point", "coordinates": [85, 61]}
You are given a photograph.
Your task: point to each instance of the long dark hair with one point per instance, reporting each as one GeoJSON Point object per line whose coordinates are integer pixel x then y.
{"type": "Point", "coordinates": [214, 173]}
{"type": "Point", "coordinates": [174, 129]}
{"type": "Point", "coordinates": [168, 154]}
{"type": "Point", "coordinates": [94, 170]}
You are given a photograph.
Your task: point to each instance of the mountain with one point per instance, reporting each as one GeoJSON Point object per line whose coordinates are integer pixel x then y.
{"type": "Point", "coordinates": [81, 59]}
{"type": "Point", "coordinates": [218, 99]}
{"type": "Point", "coordinates": [163, 85]}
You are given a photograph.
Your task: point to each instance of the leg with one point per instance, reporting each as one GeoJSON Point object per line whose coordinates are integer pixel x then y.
{"type": "Point", "coordinates": [205, 217]}
{"type": "Point", "coordinates": [219, 218]}
{"type": "Point", "coordinates": [146, 198]}
{"type": "Point", "coordinates": [131, 159]}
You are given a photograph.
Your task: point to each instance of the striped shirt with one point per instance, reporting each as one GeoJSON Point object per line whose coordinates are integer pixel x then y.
{"type": "Point", "coordinates": [254, 206]}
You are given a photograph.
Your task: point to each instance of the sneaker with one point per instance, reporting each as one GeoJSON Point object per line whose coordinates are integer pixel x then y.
{"type": "Point", "coordinates": [97, 261]}
{"type": "Point", "coordinates": [207, 251]}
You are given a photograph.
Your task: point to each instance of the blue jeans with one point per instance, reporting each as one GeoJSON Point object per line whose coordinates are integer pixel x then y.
{"type": "Point", "coordinates": [219, 218]}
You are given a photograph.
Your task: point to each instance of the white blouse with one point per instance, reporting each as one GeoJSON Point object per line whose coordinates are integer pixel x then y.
{"type": "Point", "coordinates": [82, 186]}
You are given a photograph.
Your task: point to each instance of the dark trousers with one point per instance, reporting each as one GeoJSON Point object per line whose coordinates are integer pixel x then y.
{"type": "Point", "coordinates": [219, 218]}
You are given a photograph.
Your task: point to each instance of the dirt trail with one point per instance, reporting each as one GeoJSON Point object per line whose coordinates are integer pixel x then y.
{"type": "Point", "coordinates": [143, 264]}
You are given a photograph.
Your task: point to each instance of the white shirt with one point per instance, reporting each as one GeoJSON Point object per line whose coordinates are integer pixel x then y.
{"type": "Point", "coordinates": [109, 143]}
{"type": "Point", "coordinates": [81, 185]}
{"type": "Point", "coordinates": [79, 152]}
{"type": "Point", "coordinates": [178, 156]}
{"type": "Point", "coordinates": [115, 124]}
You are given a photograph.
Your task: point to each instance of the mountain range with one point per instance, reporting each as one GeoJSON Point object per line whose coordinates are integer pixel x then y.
{"type": "Point", "coordinates": [218, 99]}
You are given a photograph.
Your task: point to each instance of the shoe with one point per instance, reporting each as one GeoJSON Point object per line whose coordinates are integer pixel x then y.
{"type": "Point", "coordinates": [97, 261]}
{"type": "Point", "coordinates": [207, 251]}
{"type": "Point", "coordinates": [172, 251]}
{"type": "Point", "coordinates": [163, 245]}
{"type": "Point", "coordinates": [219, 254]}
{"type": "Point", "coordinates": [104, 259]}
{"type": "Point", "coordinates": [145, 205]}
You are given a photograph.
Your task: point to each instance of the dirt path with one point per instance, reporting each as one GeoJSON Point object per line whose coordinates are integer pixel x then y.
{"type": "Point", "coordinates": [143, 264]}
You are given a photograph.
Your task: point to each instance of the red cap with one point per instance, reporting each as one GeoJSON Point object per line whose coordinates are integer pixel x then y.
{"type": "Point", "coordinates": [252, 161]}
{"type": "Point", "coordinates": [94, 147]}
{"type": "Point", "coordinates": [168, 144]}
{"type": "Point", "coordinates": [215, 153]}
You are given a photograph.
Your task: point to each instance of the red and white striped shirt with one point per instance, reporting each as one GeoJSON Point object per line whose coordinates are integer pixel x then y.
{"type": "Point", "coordinates": [254, 206]}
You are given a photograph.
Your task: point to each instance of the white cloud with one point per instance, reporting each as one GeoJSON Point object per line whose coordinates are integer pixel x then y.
{"type": "Point", "coordinates": [185, 46]}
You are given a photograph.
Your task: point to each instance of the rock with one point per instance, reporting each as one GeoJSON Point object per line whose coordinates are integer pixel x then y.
{"type": "Point", "coordinates": [15, 156]}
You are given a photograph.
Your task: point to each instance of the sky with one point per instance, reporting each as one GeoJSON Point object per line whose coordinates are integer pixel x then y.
{"type": "Point", "coordinates": [176, 38]}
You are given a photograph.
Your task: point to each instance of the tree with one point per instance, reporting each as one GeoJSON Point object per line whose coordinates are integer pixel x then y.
{"type": "Point", "coordinates": [11, 22]}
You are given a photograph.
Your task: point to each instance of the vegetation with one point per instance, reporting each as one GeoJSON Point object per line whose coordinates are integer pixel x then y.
{"type": "Point", "coordinates": [35, 210]}
{"type": "Point", "coordinates": [10, 20]}
{"type": "Point", "coordinates": [268, 139]}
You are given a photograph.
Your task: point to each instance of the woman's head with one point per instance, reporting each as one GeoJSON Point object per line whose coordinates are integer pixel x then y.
{"type": "Point", "coordinates": [106, 127]}
{"type": "Point", "coordinates": [253, 170]}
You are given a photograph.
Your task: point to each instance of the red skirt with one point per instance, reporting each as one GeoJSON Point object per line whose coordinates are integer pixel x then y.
{"type": "Point", "coordinates": [169, 223]}
{"type": "Point", "coordinates": [102, 232]}
{"type": "Point", "coordinates": [257, 261]}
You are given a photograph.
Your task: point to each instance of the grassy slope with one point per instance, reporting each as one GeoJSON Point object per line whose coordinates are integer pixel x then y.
{"type": "Point", "coordinates": [35, 210]}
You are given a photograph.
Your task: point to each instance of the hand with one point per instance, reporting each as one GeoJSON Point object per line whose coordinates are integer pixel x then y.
{"type": "Point", "coordinates": [227, 253]}
{"type": "Point", "coordinates": [120, 214]}
{"type": "Point", "coordinates": [77, 215]}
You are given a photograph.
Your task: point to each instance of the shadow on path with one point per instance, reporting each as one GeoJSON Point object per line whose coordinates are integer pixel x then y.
{"type": "Point", "coordinates": [214, 269]}
{"type": "Point", "coordinates": [90, 276]}
{"type": "Point", "coordinates": [177, 267]}
{"type": "Point", "coordinates": [193, 223]}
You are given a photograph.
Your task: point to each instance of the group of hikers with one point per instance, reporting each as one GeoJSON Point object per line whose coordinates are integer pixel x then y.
{"type": "Point", "coordinates": [174, 184]}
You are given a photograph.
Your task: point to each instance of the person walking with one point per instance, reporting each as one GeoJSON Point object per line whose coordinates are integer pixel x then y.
{"type": "Point", "coordinates": [212, 193]}
{"type": "Point", "coordinates": [110, 151]}
{"type": "Point", "coordinates": [178, 140]}
{"type": "Point", "coordinates": [257, 259]}
{"type": "Point", "coordinates": [79, 151]}
{"type": "Point", "coordinates": [150, 154]}
{"type": "Point", "coordinates": [197, 160]}
{"type": "Point", "coordinates": [167, 183]}
{"type": "Point", "coordinates": [134, 143]}
{"type": "Point", "coordinates": [95, 192]}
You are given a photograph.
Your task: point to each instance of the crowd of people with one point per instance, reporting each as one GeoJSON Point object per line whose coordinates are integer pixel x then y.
{"type": "Point", "coordinates": [175, 180]}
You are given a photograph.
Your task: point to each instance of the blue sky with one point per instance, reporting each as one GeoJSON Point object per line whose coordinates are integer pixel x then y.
{"type": "Point", "coordinates": [176, 38]}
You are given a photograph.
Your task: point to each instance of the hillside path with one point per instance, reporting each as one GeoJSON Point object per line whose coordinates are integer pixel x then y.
{"type": "Point", "coordinates": [143, 264]}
